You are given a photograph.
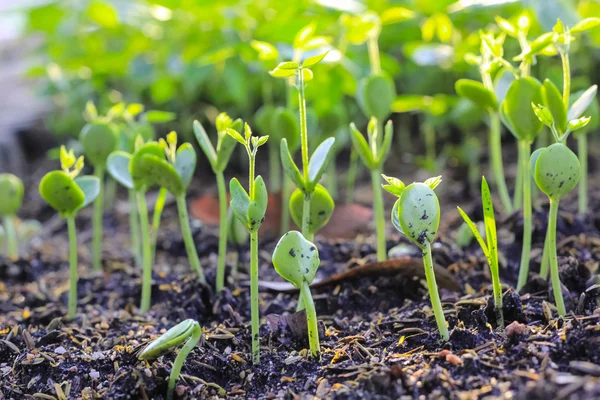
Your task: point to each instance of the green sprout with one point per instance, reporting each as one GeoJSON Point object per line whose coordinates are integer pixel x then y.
{"type": "Point", "coordinates": [188, 331]}
{"type": "Point", "coordinates": [556, 171]}
{"type": "Point", "coordinates": [489, 245]}
{"type": "Point", "coordinates": [250, 209]}
{"type": "Point", "coordinates": [296, 260]}
{"type": "Point", "coordinates": [218, 159]}
{"type": "Point", "coordinates": [237, 236]}
{"type": "Point", "coordinates": [99, 137]}
{"type": "Point", "coordinates": [373, 155]}
{"type": "Point", "coordinates": [416, 214]}
{"type": "Point", "coordinates": [312, 171]}
{"type": "Point", "coordinates": [11, 189]}
{"type": "Point", "coordinates": [582, 148]}
{"type": "Point", "coordinates": [67, 193]}
{"type": "Point", "coordinates": [524, 125]}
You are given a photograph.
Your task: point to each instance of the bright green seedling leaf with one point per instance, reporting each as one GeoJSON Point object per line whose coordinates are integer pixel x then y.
{"type": "Point", "coordinates": [387, 143]}
{"type": "Point", "coordinates": [582, 103]}
{"type": "Point", "coordinates": [579, 123]}
{"type": "Point", "coordinates": [534, 157]}
{"type": "Point", "coordinates": [185, 163]}
{"type": "Point", "coordinates": [285, 126]}
{"type": "Point", "coordinates": [516, 111]}
{"type": "Point", "coordinates": [557, 171]}
{"type": "Point", "coordinates": [375, 95]}
{"type": "Point", "coordinates": [296, 259]}
{"type": "Point", "coordinates": [205, 144]}
{"type": "Point", "coordinates": [543, 114]}
{"type": "Point", "coordinates": [554, 102]}
{"type": "Point", "coordinates": [138, 174]}
{"type": "Point", "coordinates": [225, 148]}
{"type": "Point", "coordinates": [419, 213]}
{"type": "Point", "coordinates": [319, 160]}
{"type": "Point", "coordinates": [99, 139]}
{"type": "Point", "coordinates": [586, 24]}
{"type": "Point", "coordinates": [11, 194]}
{"type": "Point", "coordinates": [433, 182]}
{"type": "Point", "coordinates": [321, 208]}
{"type": "Point", "coordinates": [250, 213]}
{"type": "Point", "coordinates": [156, 116]}
{"type": "Point", "coordinates": [477, 93]}
{"type": "Point", "coordinates": [314, 60]}
{"type": "Point", "coordinates": [266, 51]}
{"type": "Point", "coordinates": [507, 27]}
{"type": "Point", "coordinates": [237, 234]}
{"type": "Point", "coordinates": [157, 171]}
{"type": "Point", "coordinates": [289, 166]}
{"type": "Point", "coordinates": [237, 136]}
{"type": "Point", "coordinates": [395, 186]}
{"type": "Point", "coordinates": [396, 217]}
{"type": "Point", "coordinates": [117, 165]}
{"type": "Point", "coordinates": [362, 147]}
{"type": "Point", "coordinates": [60, 191]}
{"type": "Point", "coordinates": [90, 186]}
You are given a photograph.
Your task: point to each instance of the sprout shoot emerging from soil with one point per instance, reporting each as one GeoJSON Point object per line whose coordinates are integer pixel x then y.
{"type": "Point", "coordinates": [11, 199]}
{"type": "Point", "coordinates": [188, 331]}
{"type": "Point", "coordinates": [416, 214]}
{"type": "Point", "coordinates": [373, 155]}
{"type": "Point", "coordinates": [218, 159]}
{"type": "Point", "coordinates": [489, 246]}
{"type": "Point", "coordinates": [296, 260]}
{"type": "Point", "coordinates": [250, 209]}
{"type": "Point", "coordinates": [99, 137]}
{"type": "Point", "coordinates": [312, 171]}
{"type": "Point", "coordinates": [67, 193]}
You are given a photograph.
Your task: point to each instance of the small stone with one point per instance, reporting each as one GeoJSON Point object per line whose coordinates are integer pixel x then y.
{"type": "Point", "coordinates": [94, 374]}
{"type": "Point", "coordinates": [515, 328]}
{"type": "Point", "coordinates": [60, 350]}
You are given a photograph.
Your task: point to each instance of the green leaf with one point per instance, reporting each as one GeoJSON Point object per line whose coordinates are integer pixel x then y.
{"type": "Point", "coordinates": [304, 35]}
{"type": "Point", "coordinates": [319, 160]}
{"type": "Point", "coordinates": [557, 171]}
{"type": "Point", "coordinates": [237, 234]}
{"type": "Point", "coordinates": [543, 114]}
{"type": "Point", "coordinates": [296, 259]}
{"type": "Point", "coordinates": [395, 186]}
{"type": "Point", "coordinates": [387, 143]}
{"type": "Point", "coordinates": [225, 148]}
{"type": "Point", "coordinates": [314, 60]}
{"type": "Point", "coordinates": [477, 93]}
{"type": "Point", "coordinates": [362, 147]}
{"type": "Point", "coordinates": [90, 111]}
{"type": "Point", "coordinates": [103, 14]}
{"type": "Point", "coordinates": [11, 194]}
{"type": "Point", "coordinates": [375, 95]}
{"type": "Point", "coordinates": [155, 116]}
{"type": "Point", "coordinates": [257, 208]}
{"type": "Point", "coordinates": [582, 103]}
{"type": "Point", "coordinates": [396, 216]}
{"type": "Point", "coordinates": [394, 15]}
{"type": "Point", "coordinates": [307, 74]}
{"type": "Point", "coordinates": [586, 24]}
{"type": "Point", "coordinates": [321, 208]}
{"type": "Point", "coordinates": [154, 170]}
{"type": "Point", "coordinates": [90, 186]}
{"type": "Point", "coordinates": [240, 201]}
{"type": "Point", "coordinates": [408, 103]}
{"type": "Point", "coordinates": [554, 102]}
{"type": "Point", "coordinates": [60, 191]}
{"type": "Point", "coordinates": [285, 124]}
{"type": "Point", "coordinates": [262, 140]}
{"type": "Point", "coordinates": [138, 174]}
{"type": "Point", "coordinates": [475, 231]}
{"type": "Point", "coordinates": [282, 73]}
{"type": "Point", "coordinates": [419, 212]}
{"type": "Point", "coordinates": [489, 219]}
{"type": "Point", "coordinates": [185, 163]}
{"type": "Point", "coordinates": [266, 51]}
{"type": "Point", "coordinates": [579, 123]}
{"type": "Point", "coordinates": [134, 109]}
{"type": "Point", "coordinates": [289, 166]}
{"type": "Point", "coordinates": [170, 339]}
{"type": "Point", "coordinates": [205, 144]}
{"type": "Point", "coordinates": [288, 65]}
{"type": "Point", "coordinates": [237, 136]}
{"type": "Point", "coordinates": [517, 111]}
{"type": "Point", "coordinates": [507, 27]}
{"type": "Point", "coordinates": [99, 139]}
{"type": "Point", "coordinates": [433, 182]}
{"type": "Point", "coordinates": [118, 167]}
{"type": "Point", "coordinates": [533, 159]}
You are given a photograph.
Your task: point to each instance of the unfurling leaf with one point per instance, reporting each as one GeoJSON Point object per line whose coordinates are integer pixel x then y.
{"type": "Point", "coordinates": [319, 160]}
{"type": "Point", "coordinates": [477, 93]}
{"type": "Point", "coordinates": [375, 95]}
{"type": "Point", "coordinates": [296, 259]}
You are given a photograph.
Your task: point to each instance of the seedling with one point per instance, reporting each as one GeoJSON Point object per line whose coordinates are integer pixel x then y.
{"type": "Point", "coordinates": [218, 159]}
{"type": "Point", "coordinates": [296, 260]}
{"type": "Point", "coordinates": [373, 155]}
{"type": "Point", "coordinates": [556, 171]}
{"type": "Point", "coordinates": [68, 193]}
{"type": "Point", "coordinates": [311, 171]}
{"type": "Point", "coordinates": [188, 331]}
{"type": "Point", "coordinates": [250, 209]}
{"type": "Point", "coordinates": [11, 199]}
{"type": "Point", "coordinates": [99, 137]}
{"type": "Point", "coordinates": [524, 125]}
{"type": "Point", "coordinates": [416, 214]}
{"type": "Point", "coordinates": [489, 246]}
{"type": "Point", "coordinates": [237, 236]}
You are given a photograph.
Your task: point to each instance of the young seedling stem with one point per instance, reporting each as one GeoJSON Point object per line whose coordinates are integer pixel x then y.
{"type": "Point", "coordinates": [72, 267]}
{"type": "Point", "coordinates": [436, 303]}
{"type": "Point", "coordinates": [134, 229]}
{"type": "Point", "coordinates": [553, 258]}
{"type": "Point", "coordinates": [11, 237]}
{"type": "Point", "coordinates": [525, 150]}
{"type": "Point", "coordinates": [222, 191]}
{"type": "Point", "coordinates": [146, 252]}
{"type": "Point", "coordinates": [97, 221]}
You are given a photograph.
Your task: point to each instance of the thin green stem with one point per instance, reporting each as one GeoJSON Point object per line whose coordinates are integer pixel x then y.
{"type": "Point", "coordinates": [110, 193]}
{"type": "Point", "coordinates": [178, 364]}
{"type": "Point", "coordinates": [134, 229]}
{"type": "Point", "coordinates": [146, 253]}
{"type": "Point", "coordinates": [72, 267]}
{"type": "Point", "coordinates": [97, 222]}
{"type": "Point", "coordinates": [303, 127]}
{"type": "Point", "coordinates": [545, 257]}
{"type": "Point", "coordinates": [351, 175]}
{"type": "Point", "coordinates": [525, 150]}
{"type": "Point", "coordinates": [379, 215]}
{"type": "Point", "coordinates": [566, 67]}
{"type": "Point", "coordinates": [436, 303]}
{"type": "Point", "coordinates": [583, 181]}
{"type": "Point", "coordinates": [497, 288]}
{"type": "Point", "coordinates": [556, 285]}
{"type": "Point", "coordinates": [311, 318]}
{"type": "Point", "coordinates": [188, 239]}
{"type": "Point", "coordinates": [374, 58]}
{"type": "Point", "coordinates": [274, 168]}
{"type": "Point", "coordinates": [159, 206]}
{"type": "Point", "coordinates": [518, 198]}
{"type": "Point", "coordinates": [11, 237]}
{"type": "Point", "coordinates": [222, 231]}
{"type": "Point", "coordinates": [251, 182]}
{"type": "Point", "coordinates": [254, 311]}
{"type": "Point", "coordinates": [306, 217]}
{"type": "Point", "coordinates": [496, 159]}
{"type": "Point", "coordinates": [285, 209]}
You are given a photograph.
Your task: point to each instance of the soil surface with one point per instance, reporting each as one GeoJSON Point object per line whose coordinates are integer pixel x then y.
{"type": "Point", "coordinates": [378, 335]}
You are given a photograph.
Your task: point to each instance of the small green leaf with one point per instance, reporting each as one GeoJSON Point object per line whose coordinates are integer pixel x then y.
{"type": "Point", "coordinates": [134, 109]}
{"type": "Point", "coordinates": [225, 148]}
{"type": "Point", "coordinates": [154, 170]}
{"type": "Point", "coordinates": [155, 116]}
{"type": "Point", "coordinates": [477, 93]}
{"type": "Point", "coordinates": [582, 103]}
{"type": "Point", "coordinates": [557, 171]}
{"type": "Point", "coordinates": [419, 212]}
{"type": "Point", "coordinates": [296, 259]}
{"type": "Point", "coordinates": [282, 73]}
{"type": "Point", "coordinates": [314, 60]}
{"type": "Point", "coordinates": [289, 166]}
{"type": "Point", "coordinates": [319, 160]}
{"type": "Point", "coordinates": [67, 158]}
{"type": "Point", "coordinates": [240, 201]}
{"type": "Point", "coordinates": [247, 132]}
{"type": "Point", "coordinates": [139, 175]}
{"type": "Point", "coordinates": [304, 35]}
{"type": "Point", "coordinates": [475, 231]}
{"type": "Point", "coordinates": [396, 216]}
{"type": "Point", "coordinates": [60, 191]}
{"type": "Point", "coordinates": [321, 208]}
{"type": "Point", "coordinates": [117, 165]}
{"type": "Point", "coordinates": [375, 95]}
{"type": "Point", "coordinates": [433, 182]}
{"type": "Point", "coordinates": [586, 24]}
{"type": "Point", "coordinates": [237, 136]}
{"type": "Point", "coordinates": [91, 111]}
{"type": "Point", "coordinates": [185, 163]}
{"type": "Point", "coordinates": [11, 194]}
{"type": "Point", "coordinates": [543, 114]}
{"type": "Point", "coordinates": [170, 339]}
{"type": "Point", "coordinates": [257, 208]}
{"type": "Point", "coordinates": [285, 124]}
{"type": "Point", "coordinates": [507, 27]}
{"type": "Point", "coordinates": [288, 65]}
{"type": "Point", "coordinates": [266, 51]}
{"type": "Point", "coordinates": [362, 147]}
{"type": "Point", "coordinates": [387, 143]}
{"type": "Point", "coordinates": [489, 219]}
{"type": "Point", "coordinates": [262, 140]}
{"type": "Point", "coordinates": [517, 111]}
{"type": "Point", "coordinates": [205, 144]}
{"type": "Point", "coordinates": [579, 123]}
{"type": "Point", "coordinates": [554, 101]}
{"type": "Point", "coordinates": [394, 15]}
{"type": "Point", "coordinates": [90, 186]}
{"type": "Point", "coordinates": [395, 186]}
{"type": "Point", "coordinates": [99, 139]}
{"type": "Point", "coordinates": [237, 233]}
{"type": "Point", "coordinates": [223, 121]}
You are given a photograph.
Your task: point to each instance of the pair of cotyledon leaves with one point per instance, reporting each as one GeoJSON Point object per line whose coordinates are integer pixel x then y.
{"type": "Point", "coordinates": [556, 170]}
{"type": "Point", "coordinates": [366, 153]}
{"type": "Point", "coordinates": [296, 259]}
{"type": "Point", "coordinates": [66, 194]}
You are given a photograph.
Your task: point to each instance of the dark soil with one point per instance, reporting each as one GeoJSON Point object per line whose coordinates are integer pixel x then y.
{"type": "Point", "coordinates": [378, 334]}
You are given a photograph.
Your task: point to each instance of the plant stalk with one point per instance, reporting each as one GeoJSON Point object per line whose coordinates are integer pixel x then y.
{"type": "Point", "coordinates": [97, 222]}
{"type": "Point", "coordinates": [306, 217]}
{"type": "Point", "coordinates": [11, 237]}
{"type": "Point", "coordinates": [134, 229]}
{"type": "Point", "coordinates": [158, 209]}
{"type": "Point", "coordinates": [545, 257]}
{"type": "Point", "coordinates": [311, 318]}
{"type": "Point", "coordinates": [518, 198]}
{"type": "Point", "coordinates": [436, 303]}
{"type": "Point", "coordinates": [188, 239]}
{"type": "Point", "coordinates": [556, 285]}
{"type": "Point", "coordinates": [583, 181]}
{"type": "Point", "coordinates": [146, 253]}
{"type": "Point", "coordinates": [525, 149]}
{"type": "Point", "coordinates": [374, 59]}
{"type": "Point", "coordinates": [222, 231]}
{"type": "Point", "coordinates": [254, 311]}
{"type": "Point", "coordinates": [497, 287]}
{"type": "Point", "coordinates": [496, 159]}
{"type": "Point", "coordinates": [72, 267]}
{"type": "Point", "coordinates": [379, 217]}
{"type": "Point", "coordinates": [178, 364]}
{"type": "Point", "coordinates": [566, 67]}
